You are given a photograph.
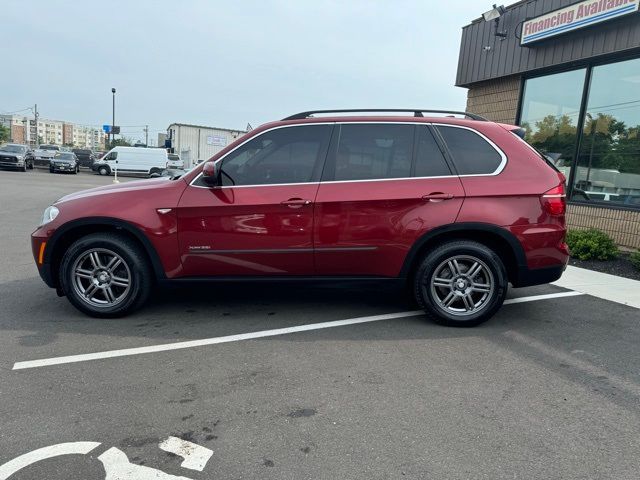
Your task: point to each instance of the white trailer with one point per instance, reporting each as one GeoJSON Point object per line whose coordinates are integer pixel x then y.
{"type": "Point", "coordinates": [196, 143]}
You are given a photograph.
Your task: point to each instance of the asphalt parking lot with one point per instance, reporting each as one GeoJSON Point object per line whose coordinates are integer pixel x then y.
{"type": "Point", "coordinates": [549, 388]}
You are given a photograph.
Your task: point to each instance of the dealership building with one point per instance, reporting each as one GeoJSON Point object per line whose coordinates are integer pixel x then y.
{"type": "Point", "coordinates": [569, 73]}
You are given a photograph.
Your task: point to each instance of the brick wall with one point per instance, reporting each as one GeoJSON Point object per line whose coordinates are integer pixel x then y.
{"type": "Point", "coordinates": [18, 134]}
{"type": "Point", "coordinates": [622, 225]}
{"type": "Point", "coordinates": [496, 100]}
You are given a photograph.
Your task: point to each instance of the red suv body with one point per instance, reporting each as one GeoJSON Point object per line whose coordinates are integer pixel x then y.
{"type": "Point", "coordinates": [456, 207]}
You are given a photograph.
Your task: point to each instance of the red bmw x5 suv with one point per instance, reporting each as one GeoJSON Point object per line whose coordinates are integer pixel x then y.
{"type": "Point", "coordinates": [456, 208]}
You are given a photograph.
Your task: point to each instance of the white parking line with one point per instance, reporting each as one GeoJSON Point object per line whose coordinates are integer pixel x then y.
{"type": "Point", "coordinates": [45, 362]}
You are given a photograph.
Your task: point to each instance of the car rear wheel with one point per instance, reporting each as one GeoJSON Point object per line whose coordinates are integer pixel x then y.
{"type": "Point", "coordinates": [461, 283]}
{"type": "Point", "coordinates": [106, 275]}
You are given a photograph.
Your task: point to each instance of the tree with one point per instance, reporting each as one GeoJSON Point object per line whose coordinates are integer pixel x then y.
{"type": "Point", "coordinates": [5, 134]}
{"type": "Point", "coordinates": [119, 142]}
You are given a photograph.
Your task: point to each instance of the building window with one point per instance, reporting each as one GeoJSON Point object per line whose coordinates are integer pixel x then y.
{"type": "Point", "coordinates": [608, 167]}
{"type": "Point", "coordinates": [549, 115]}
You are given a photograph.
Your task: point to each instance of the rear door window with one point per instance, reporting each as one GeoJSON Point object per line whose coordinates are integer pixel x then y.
{"type": "Point", "coordinates": [430, 161]}
{"type": "Point", "coordinates": [371, 152]}
{"type": "Point", "coordinates": [471, 153]}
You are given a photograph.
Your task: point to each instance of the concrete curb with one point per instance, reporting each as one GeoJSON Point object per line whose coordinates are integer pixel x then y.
{"type": "Point", "coordinates": [602, 285]}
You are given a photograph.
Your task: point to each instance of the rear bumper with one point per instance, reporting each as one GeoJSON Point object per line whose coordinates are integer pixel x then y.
{"type": "Point", "coordinates": [527, 277]}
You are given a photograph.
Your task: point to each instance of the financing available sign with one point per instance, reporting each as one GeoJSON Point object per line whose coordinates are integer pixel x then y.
{"type": "Point", "coordinates": [573, 17]}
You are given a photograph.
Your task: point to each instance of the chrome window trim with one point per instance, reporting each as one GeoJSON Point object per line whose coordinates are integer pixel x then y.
{"type": "Point", "coordinates": [503, 156]}
{"type": "Point", "coordinates": [498, 170]}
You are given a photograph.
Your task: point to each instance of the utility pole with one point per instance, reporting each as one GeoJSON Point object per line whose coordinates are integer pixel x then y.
{"type": "Point", "coordinates": [146, 135]}
{"type": "Point", "coordinates": [36, 115]}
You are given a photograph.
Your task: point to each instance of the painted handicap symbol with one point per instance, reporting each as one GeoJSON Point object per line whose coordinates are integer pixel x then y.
{"type": "Point", "coordinates": [116, 464]}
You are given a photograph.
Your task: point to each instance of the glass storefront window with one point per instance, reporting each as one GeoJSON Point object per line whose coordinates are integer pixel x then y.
{"type": "Point", "coordinates": [549, 115]}
{"type": "Point", "coordinates": [609, 160]}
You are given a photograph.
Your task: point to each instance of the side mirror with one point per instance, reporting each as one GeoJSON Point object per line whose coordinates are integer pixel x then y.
{"type": "Point", "coordinates": [210, 174]}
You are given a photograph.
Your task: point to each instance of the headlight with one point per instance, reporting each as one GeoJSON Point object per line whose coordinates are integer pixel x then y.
{"type": "Point", "coordinates": [19, 157]}
{"type": "Point", "coordinates": [49, 215]}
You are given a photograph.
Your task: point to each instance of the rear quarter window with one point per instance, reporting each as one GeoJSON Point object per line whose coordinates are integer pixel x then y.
{"type": "Point", "coordinates": [471, 153]}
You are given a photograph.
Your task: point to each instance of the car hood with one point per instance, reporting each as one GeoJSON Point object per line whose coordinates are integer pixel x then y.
{"type": "Point", "coordinates": [140, 187]}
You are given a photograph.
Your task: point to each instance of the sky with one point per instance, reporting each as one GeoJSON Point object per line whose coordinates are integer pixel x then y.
{"type": "Point", "coordinates": [227, 63]}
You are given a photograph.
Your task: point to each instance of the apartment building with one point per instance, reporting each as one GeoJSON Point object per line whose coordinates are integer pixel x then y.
{"type": "Point", "coordinates": [25, 130]}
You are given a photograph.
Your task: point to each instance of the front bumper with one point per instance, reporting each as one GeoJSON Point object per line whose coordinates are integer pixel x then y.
{"type": "Point", "coordinates": [11, 163]}
{"type": "Point", "coordinates": [62, 168]}
{"type": "Point", "coordinates": [38, 248]}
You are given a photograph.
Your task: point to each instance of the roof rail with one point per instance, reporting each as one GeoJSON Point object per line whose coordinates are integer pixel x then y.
{"type": "Point", "coordinates": [417, 112]}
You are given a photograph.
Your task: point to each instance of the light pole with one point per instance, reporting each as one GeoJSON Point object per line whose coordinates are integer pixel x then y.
{"type": "Point", "coordinates": [113, 111]}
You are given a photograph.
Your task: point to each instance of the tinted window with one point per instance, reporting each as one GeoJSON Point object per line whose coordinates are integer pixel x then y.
{"type": "Point", "coordinates": [472, 154]}
{"type": "Point", "coordinates": [429, 159]}
{"type": "Point", "coordinates": [367, 152]}
{"type": "Point", "coordinates": [284, 155]}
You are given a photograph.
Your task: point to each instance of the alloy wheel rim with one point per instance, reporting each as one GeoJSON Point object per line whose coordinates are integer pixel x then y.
{"type": "Point", "coordinates": [101, 278]}
{"type": "Point", "coordinates": [462, 285]}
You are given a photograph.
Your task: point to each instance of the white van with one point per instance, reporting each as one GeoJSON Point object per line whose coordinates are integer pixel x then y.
{"type": "Point", "coordinates": [132, 160]}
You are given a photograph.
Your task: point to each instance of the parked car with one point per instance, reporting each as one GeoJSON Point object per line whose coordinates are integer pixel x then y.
{"type": "Point", "coordinates": [14, 155]}
{"type": "Point", "coordinates": [169, 172]}
{"type": "Point", "coordinates": [453, 208]}
{"type": "Point", "coordinates": [174, 161]}
{"type": "Point", "coordinates": [43, 154]}
{"type": "Point", "coordinates": [66, 162]}
{"type": "Point", "coordinates": [138, 160]}
{"type": "Point", "coordinates": [85, 157]}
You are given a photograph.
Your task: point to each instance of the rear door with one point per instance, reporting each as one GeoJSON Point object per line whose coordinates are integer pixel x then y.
{"type": "Point", "coordinates": [260, 221]}
{"type": "Point", "coordinates": [384, 185]}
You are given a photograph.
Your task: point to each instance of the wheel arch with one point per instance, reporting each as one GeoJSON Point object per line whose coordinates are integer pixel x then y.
{"type": "Point", "coordinates": [500, 240]}
{"type": "Point", "coordinates": [68, 233]}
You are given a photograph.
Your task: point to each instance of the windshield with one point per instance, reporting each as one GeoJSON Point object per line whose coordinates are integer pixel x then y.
{"type": "Point", "coordinates": [173, 156]}
{"type": "Point", "coordinates": [49, 147]}
{"type": "Point", "coordinates": [65, 156]}
{"type": "Point", "coordinates": [14, 148]}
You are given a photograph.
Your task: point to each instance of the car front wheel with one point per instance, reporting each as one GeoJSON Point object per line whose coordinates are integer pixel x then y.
{"type": "Point", "coordinates": [103, 171]}
{"type": "Point", "coordinates": [461, 283]}
{"type": "Point", "coordinates": [106, 275]}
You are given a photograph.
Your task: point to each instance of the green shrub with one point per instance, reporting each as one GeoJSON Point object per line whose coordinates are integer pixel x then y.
{"type": "Point", "coordinates": [591, 244]}
{"type": "Point", "coordinates": [635, 259]}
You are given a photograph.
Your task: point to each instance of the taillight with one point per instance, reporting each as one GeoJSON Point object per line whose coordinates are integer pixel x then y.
{"type": "Point", "coordinates": [554, 201]}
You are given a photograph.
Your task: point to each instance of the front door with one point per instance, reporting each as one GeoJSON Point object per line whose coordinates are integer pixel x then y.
{"type": "Point", "coordinates": [260, 220]}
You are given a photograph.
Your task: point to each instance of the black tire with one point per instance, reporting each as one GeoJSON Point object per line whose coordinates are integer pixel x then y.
{"type": "Point", "coordinates": [134, 264]}
{"type": "Point", "coordinates": [477, 306]}
{"type": "Point", "coordinates": [51, 170]}
{"type": "Point", "coordinates": [24, 167]}
{"type": "Point", "coordinates": [104, 170]}
{"type": "Point", "coordinates": [76, 170]}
